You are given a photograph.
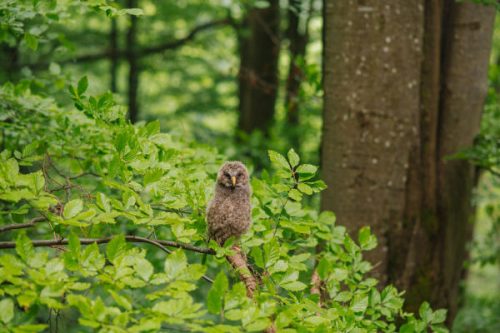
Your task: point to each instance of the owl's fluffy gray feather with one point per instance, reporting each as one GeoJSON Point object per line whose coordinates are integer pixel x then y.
{"type": "Point", "coordinates": [229, 212]}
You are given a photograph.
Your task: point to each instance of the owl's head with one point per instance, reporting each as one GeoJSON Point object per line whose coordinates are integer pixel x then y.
{"type": "Point", "coordinates": [232, 175]}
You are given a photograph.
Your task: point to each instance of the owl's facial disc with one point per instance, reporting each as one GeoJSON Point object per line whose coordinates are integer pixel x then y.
{"type": "Point", "coordinates": [229, 179]}
{"type": "Point", "coordinates": [233, 175]}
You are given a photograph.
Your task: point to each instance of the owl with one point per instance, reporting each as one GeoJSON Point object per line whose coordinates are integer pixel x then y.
{"type": "Point", "coordinates": [229, 212]}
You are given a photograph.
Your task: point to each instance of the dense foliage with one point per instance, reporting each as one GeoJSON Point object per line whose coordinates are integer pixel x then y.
{"type": "Point", "coordinates": [85, 176]}
{"type": "Point", "coordinates": [102, 223]}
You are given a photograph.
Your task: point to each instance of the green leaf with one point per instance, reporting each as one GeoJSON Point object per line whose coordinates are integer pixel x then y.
{"type": "Point", "coordinates": [327, 218]}
{"type": "Point", "coordinates": [103, 202]}
{"type": "Point", "coordinates": [367, 241]}
{"type": "Point", "coordinates": [83, 84]}
{"type": "Point", "coordinates": [261, 4]}
{"type": "Point", "coordinates": [271, 252]}
{"type": "Point", "coordinates": [257, 325]}
{"type": "Point", "coordinates": [323, 268]}
{"type": "Point", "coordinates": [408, 328]}
{"type": "Point", "coordinates": [304, 188]}
{"type": "Point", "coordinates": [72, 208]}
{"type": "Point", "coordinates": [17, 195]}
{"type": "Point", "coordinates": [439, 329]}
{"type": "Point", "coordinates": [256, 254]}
{"type": "Point", "coordinates": [144, 268]}
{"type": "Point", "coordinates": [6, 310]}
{"type": "Point", "coordinates": [359, 303]}
{"type": "Point", "coordinates": [306, 171]}
{"type": "Point", "coordinates": [439, 316]}
{"type": "Point", "coordinates": [294, 286]}
{"type": "Point", "coordinates": [317, 185]}
{"type": "Point", "coordinates": [175, 263]}
{"type": "Point", "coordinates": [91, 260]}
{"type": "Point", "coordinates": [31, 41]}
{"type": "Point", "coordinates": [120, 300]}
{"type": "Point", "coordinates": [293, 158]}
{"type": "Point", "coordinates": [425, 312]}
{"type": "Point", "coordinates": [74, 244]}
{"type": "Point", "coordinates": [295, 195]}
{"type": "Point", "coordinates": [290, 277]}
{"type": "Point", "coordinates": [152, 128]}
{"type": "Point", "coordinates": [278, 160]}
{"type": "Point", "coordinates": [115, 247]}
{"type": "Point", "coordinates": [134, 11]}
{"type": "Point", "coordinates": [279, 266]}
{"type": "Point", "coordinates": [24, 247]}
{"type": "Point", "coordinates": [30, 328]}
{"type": "Point", "coordinates": [216, 293]}
{"type": "Point", "coordinates": [343, 296]}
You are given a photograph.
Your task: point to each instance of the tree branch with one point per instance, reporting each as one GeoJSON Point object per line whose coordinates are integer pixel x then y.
{"type": "Point", "coordinates": [28, 224]}
{"type": "Point", "coordinates": [240, 265]}
{"type": "Point", "coordinates": [142, 52]}
{"type": "Point", "coordinates": [180, 42]}
{"type": "Point", "coordinates": [128, 238]}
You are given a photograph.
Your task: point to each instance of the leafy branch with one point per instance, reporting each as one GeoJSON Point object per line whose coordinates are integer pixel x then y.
{"type": "Point", "coordinates": [145, 51]}
{"type": "Point", "coordinates": [128, 238]}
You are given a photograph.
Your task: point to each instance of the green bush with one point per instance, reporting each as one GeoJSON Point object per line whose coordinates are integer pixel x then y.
{"type": "Point", "coordinates": [109, 226]}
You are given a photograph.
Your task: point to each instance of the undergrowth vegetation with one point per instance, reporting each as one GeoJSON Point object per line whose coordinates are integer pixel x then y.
{"type": "Point", "coordinates": [109, 226]}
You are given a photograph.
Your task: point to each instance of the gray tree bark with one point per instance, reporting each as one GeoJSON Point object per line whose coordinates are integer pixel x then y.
{"type": "Point", "coordinates": [405, 83]}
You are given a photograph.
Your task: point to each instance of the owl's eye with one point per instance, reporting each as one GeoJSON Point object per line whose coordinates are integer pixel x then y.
{"type": "Point", "coordinates": [239, 174]}
{"type": "Point", "coordinates": [227, 174]}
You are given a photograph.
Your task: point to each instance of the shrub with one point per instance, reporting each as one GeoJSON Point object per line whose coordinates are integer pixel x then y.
{"type": "Point", "coordinates": [109, 226]}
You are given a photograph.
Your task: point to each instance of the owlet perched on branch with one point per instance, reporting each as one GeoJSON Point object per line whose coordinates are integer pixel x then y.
{"type": "Point", "coordinates": [229, 212]}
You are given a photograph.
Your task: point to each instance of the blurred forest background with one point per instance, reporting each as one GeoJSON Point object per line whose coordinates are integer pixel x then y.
{"type": "Point", "coordinates": [246, 76]}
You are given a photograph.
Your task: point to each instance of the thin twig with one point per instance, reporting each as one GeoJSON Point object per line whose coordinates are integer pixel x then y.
{"type": "Point", "coordinates": [28, 224]}
{"type": "Point", "coordinates": [85, 174]}
{"type": "Point", "coordinates": [128, 238]}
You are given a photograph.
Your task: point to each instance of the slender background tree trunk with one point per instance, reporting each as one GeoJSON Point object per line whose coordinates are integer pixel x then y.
{"type": "Point", "coordinates": [10, 57]}
{"type": "Point", "coordinates": [258, 75]}
{"type": "Point", "coordinates": [114, 58]}
{"type": "Point", "coordinates": [298, 34]}
{"type": "Point", "coordinates": [133, 78]}
{"type": "Point", "coordinates": [405, 84]}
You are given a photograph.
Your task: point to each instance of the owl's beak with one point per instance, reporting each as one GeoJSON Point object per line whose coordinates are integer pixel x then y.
{"type": "Point", "coordinates": [233, 180]}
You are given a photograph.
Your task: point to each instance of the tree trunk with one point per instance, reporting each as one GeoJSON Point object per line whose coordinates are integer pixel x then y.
{"type": "Point", "coordinates": [258, 75]}
{"type": "Point", "coordinates": [298, 34]}
{"type": "Point", "coordinates": [133, 77]}
{"type": "Point", "coordinates": [9, 57]}
{"type": "Point", "coordinates": [404, 89]}
{"type": "Point", "coordinates": [114, 57]}
{"type": "Point", "coordinates": [465, 69]}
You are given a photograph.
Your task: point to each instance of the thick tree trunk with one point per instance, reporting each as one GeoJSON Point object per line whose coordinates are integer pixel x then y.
{"type": "Point", "coordinates": [258, 75]}
{"type": "Point", "coordinates": [133, 76]}
{"type": "Point", "coordinates": [465, 68]}
{"type": "Point", "coordinates": [404, 89]}
{"type": "Point", "coordinates": [372, 61]}
{"type": "Point", "coordinates": [113, 58]}
{"type": "Point", "coordinates": [298, 21]}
